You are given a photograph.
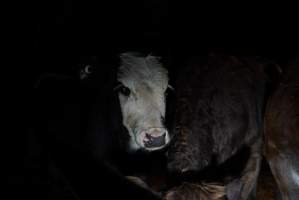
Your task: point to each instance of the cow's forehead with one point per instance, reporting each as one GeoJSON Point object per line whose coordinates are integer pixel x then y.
{"type": "Point", "coordinates": [141, 87]}
{"type": "Point", "coordinates": [142, 71]}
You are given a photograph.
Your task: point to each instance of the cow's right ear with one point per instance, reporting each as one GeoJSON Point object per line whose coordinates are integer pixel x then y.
{"type": "Point", "coordinates": [169, 90]}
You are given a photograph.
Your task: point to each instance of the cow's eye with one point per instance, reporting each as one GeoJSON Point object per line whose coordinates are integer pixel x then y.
{"type": "Point", "coordinates": [125, 91]}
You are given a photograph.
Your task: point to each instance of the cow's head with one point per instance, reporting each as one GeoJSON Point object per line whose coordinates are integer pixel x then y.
{"type": "Point", "coordinates": [143, 83]}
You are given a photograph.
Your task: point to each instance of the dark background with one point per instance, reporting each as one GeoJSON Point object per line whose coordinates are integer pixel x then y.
{"type": "Point", "coordinates": [58, 36]}
{"type": "Point", "coordinates": [53, 32]}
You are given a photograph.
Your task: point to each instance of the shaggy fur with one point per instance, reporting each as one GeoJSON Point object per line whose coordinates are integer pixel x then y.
{"type": "Point", "coordinates": [203, 191]}
{"type": "Point", "coordinates": [218, 112]}
{"type": "Point", "coordinates": [282, 133]}
{"type": "Point", "coordinates": [136, 69]}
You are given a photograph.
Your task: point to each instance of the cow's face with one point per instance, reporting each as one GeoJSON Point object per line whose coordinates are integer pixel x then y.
{"type": "Point", "coordinates": [141, 92]}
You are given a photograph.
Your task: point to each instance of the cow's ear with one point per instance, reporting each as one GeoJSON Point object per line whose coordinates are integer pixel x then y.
{"type": "Point", "coordinates": [170, 87]}
{"type": "Point", "coordinates": [169, 90]}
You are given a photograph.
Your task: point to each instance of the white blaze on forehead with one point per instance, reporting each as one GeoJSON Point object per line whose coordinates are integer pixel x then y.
{"type": "Point", "coordinates": [136, 70]}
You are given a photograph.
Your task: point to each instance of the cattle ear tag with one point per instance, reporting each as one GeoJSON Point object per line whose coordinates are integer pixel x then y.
{"type": "Point", "coordinates": [85, 72]}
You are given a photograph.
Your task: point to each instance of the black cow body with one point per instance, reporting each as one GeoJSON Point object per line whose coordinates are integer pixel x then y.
{"type": "Point", "coordinates": [219, 106]}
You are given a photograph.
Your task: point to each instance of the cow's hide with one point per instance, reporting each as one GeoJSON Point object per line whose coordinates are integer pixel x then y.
{"type": "Point", "coordinates": [202, 191]}
{"type": "Point", "coordinates": [282, 132]}
{"type": "Point", "coordinates": [219, 105]}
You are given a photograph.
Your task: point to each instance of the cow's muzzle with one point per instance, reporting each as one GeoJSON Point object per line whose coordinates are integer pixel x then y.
{"type": "Point", "coordinates": [154, 138]}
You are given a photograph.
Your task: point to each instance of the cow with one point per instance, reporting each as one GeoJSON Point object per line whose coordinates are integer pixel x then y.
{"type": "Point", "coordinates": [128, 120]}
{"type": "Point", "coordinates": [142, 87]}
{"type": "Point", "coordinates": [104, 112]}
{"type": "Point", "coordinates": [281, 129]}
{"type": "Point", "coordinates": [219, 113]}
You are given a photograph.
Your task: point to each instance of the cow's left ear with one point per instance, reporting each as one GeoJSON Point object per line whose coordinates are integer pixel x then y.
{"type": "Point", "coordinates": [170, 87]}
{"type": "Point", "coordinates": [169, 90]}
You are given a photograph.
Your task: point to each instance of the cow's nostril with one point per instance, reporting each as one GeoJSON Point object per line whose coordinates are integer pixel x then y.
{"type": "Point", "coordinates": [154, 141]}
{"type": "Point", "coordinates": [148, 136]}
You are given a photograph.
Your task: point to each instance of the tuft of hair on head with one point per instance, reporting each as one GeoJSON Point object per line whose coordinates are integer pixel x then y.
{"type": "Point", "coordinates": [200, 191]}
{"type": "Point", "coordinates": [136, 67]}
{"type": "Point", "coordinates": [133, 58]}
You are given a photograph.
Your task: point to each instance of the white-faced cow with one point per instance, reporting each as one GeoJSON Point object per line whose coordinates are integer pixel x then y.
{"type": "Point", "coordinates": [91, 117]}
{"type": "Point", "coordinates": [142, 89]}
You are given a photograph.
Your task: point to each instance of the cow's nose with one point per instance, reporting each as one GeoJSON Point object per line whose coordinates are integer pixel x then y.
{"type": "Point", "coordinates": [153, 138]}
{"type": "Point", "coordinates": [154, 141]}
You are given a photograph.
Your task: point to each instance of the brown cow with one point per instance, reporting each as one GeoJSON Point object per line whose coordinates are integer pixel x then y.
{"type": "Point", "coordinates": [282, 133]}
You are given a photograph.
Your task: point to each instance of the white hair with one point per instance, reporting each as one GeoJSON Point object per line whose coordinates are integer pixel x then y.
{"type": "Point", "coordinates": [137, 69]}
